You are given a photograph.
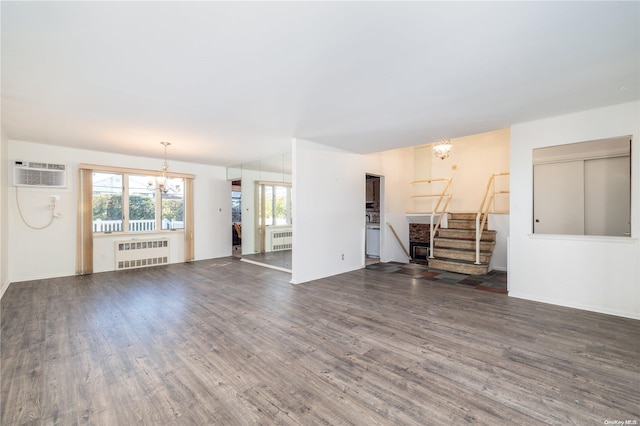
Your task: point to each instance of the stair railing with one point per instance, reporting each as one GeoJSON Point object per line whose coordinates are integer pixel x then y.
{"type": "Point", "coordinates": [444, 198]}
{"type": "Point", "coordinates": [395, 234]}
{"type": "Point", "coordinates": [488, 203]}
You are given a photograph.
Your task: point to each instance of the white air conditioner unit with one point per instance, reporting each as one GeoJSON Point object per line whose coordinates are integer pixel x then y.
{"type": "Point", "coordinates": [39, 175]}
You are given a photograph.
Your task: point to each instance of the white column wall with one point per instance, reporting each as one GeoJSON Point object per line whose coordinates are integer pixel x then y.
{"type": "Point", "coordinates": [588, 272]}
{"type": "Point", "coordinates": [35, 254]}
{"type": "Point", "coordinates": [328, 211]}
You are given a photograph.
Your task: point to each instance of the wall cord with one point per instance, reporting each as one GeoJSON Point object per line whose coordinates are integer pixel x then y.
{"type": "Point", "coordinates": [53, 210]}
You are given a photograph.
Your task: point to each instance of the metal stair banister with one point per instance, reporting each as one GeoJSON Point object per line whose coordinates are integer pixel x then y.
{"type": "Point", "coordinates": [488, 201]}
{"type": "Point", "coordinates": [434, 228]}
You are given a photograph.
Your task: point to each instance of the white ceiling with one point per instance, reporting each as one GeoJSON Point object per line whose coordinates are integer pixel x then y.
{"type": "Point", "coordinates": [231, 82]}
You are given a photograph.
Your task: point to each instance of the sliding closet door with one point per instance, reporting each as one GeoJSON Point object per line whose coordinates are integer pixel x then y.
{"type": "Point", "coordinates": [558, 193]}
{"type": "Point", "coordinates": [607, 207]}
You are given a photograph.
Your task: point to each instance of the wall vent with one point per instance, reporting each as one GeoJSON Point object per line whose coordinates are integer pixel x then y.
{"type": "Point", "coordinates": [39, 175]}
{"type": "Point", "coordinates": [141, 253]}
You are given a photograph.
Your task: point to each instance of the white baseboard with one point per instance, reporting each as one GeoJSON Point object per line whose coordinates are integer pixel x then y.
{"type": "Point", "coordinates": [4, 288]}
{"type": "Point", "coordinates": [584, 307]}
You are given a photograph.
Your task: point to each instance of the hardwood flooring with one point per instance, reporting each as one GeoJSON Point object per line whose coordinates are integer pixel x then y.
{"type": "Point", "coordinates": [277, 259]}
{"type": "Point", "coordinates": [225, 342]}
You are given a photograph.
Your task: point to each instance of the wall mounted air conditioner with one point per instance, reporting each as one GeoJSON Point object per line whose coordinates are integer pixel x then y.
{"type": "Point", "coordinates": [39, 175]}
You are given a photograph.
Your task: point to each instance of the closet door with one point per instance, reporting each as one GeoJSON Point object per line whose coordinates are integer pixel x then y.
{"type": "Point", "coordinates": [558, 193]}
{"type": "Point", "coordinates": [607, 208]}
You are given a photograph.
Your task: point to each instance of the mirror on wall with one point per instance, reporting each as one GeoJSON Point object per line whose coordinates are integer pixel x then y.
{"type": "Point", "coordinates": [262, 228]}
{"type": "Point", "coordinates": [583, 188]}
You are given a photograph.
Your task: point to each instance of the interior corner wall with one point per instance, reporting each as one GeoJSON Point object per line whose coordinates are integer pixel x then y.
{"type": "Point", "coordinates": [397, 167]}
{"type": "Point", "coordinates": [36, 254]}
{"type": "Point", "coordinates": [600, 274]}
{"type": "Point", "coordinates": [328, 211]}
{"type": "Point", "coordinates": [4, 223]}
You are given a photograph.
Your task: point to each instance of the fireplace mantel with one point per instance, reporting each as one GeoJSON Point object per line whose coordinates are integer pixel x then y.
{"type": "Point", "coordinates": [423, 217]}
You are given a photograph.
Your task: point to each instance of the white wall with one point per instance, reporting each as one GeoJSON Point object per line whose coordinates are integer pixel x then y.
{"type": "Point", "coordinates": [499, 257]}
{"type": "Point", "coordinates": [328, 211]}
{"type": "Point", "coordinates": [588, 272]}
{"type": "Point", "coordinates": [4, 219]}
{"type": "Point", "coordinates": [35, 254]}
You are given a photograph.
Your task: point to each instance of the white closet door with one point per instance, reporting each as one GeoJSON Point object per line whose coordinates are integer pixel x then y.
{"type": "Point", "coordinates": [607, 196]}
{"type": "Point", "coordinates": [558, 193]}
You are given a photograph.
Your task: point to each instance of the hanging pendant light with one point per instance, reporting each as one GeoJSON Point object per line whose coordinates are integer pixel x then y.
{"type": "Point", "coordinates": [163, 182]}
{"type": "Point", "coordinates": [441, 149]}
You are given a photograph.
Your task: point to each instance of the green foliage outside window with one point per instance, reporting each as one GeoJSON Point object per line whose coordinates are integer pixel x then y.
{"type": "Point", "coordinates": [107, 206]}
{"type": "Point", "coordinates": [173, 209]}
{"type": "Point", "coordinates": [141, 207]}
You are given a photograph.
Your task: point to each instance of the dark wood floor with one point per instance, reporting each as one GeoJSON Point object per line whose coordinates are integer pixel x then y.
{"type": "Point", "coordinates": [227, 342]}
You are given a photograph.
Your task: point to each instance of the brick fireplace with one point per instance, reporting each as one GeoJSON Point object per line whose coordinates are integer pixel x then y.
{"type": "Point", "coordinates": [419, 242]}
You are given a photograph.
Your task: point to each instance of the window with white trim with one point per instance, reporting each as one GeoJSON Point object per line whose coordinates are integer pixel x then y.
{"type": "Point", "coordinates": [123, 202]}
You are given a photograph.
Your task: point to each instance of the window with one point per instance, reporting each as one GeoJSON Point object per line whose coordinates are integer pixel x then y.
{"type": "Point", "coordinates": [107, 202]}
{"type": "Point", "coordinates": [277, 204]}
{"type": "Point", "coordinates": [236, 210]}
{"type": "Point", "coordinates": [173, 207]}
{"type": "Point", "coordinates": [142, 204]}
{"type": "Point", "coordinates": [123, 202]}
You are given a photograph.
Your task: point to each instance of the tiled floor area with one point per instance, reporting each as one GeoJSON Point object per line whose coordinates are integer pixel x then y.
{"type": "Point", "coordinates": [494, 281]}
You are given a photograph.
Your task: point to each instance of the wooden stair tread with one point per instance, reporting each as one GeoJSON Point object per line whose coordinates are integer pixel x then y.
{"type": "Point", "coordinates": [462, 250]}
{"type": "Point", "coordinates": [454, 247]}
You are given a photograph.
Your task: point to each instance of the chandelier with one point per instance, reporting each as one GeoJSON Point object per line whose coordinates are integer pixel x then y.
{"type": "Point", "coordinates": [441, 149]}
{"type": "Point", "coordinates": [163, 183]}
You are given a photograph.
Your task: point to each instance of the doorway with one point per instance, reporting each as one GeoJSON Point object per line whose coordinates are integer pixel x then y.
{"type": "Point", "coordinates": [373, 209]}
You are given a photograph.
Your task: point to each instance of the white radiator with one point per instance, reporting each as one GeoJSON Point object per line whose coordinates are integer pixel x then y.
{"type": "Point", "coordinates": [279, 238]}
{"type": "Point", "coordinates": [141, 253]}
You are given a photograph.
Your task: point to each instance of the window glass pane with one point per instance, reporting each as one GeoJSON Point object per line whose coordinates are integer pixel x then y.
{"type": "Point", "coordinates": [280, 205]}
{"type": "Point", "coordinates": [268, 205]}
{"type": "Point", "coordinates": [173, 206]}
{"type": "Point", "coordinates": [142, 204]}
{"type": "Point", "coordinates": [236, 206]}
{"type": "Point", "coordinates": [107, 202]}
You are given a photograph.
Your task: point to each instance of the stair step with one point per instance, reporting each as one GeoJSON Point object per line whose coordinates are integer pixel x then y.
{"type": "Point", "coordinates": [458, 254]}
{"type": "Point", "coordinates": [463, 224]}
{"type": "Point", "coordinates": [463, 216]}
{"type": "Point", "coordinates": [439, 242]}
{"type": "Point", "coordinates": [466, 234]}
{"type": "Point", "coordinates": [467, 268]}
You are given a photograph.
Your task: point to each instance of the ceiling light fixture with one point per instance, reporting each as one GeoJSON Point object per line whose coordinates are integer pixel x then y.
{"type": "Point", "coordinates": [163, 183]}
{"type": "Point", "coordinates": [441, 149]}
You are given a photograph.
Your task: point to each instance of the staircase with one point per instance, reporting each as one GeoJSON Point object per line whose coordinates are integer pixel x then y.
{"type": "Point", "coordinates": [455, 247]}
